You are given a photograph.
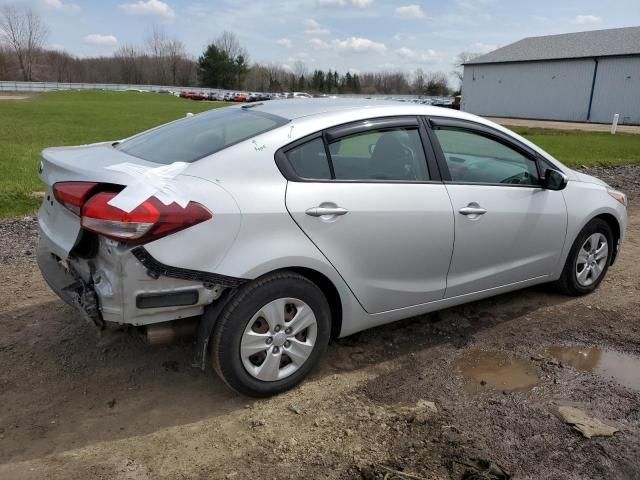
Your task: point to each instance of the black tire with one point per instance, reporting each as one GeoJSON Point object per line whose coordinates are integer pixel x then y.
{"type": "Point", "coordinates": [568, 281]}
{"type": "Point", "coordinates": [231, 324]}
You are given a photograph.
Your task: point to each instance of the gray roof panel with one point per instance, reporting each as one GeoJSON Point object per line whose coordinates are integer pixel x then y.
{"type": "Point", "coordinates": [596, 43]}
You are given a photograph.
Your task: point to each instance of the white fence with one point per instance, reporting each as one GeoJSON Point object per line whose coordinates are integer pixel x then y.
{"type": "Point", "coordinates": [7, 86]}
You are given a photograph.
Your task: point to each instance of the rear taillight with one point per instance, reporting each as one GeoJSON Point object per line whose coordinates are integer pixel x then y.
{"type": "Point", "coordinates": [149, 221]}
{"type": "Point", "coordinates": [72, 195]}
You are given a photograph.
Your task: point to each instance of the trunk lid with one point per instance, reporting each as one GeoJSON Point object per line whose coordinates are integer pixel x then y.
{"type": "Point", "coordinates": [68, 164]}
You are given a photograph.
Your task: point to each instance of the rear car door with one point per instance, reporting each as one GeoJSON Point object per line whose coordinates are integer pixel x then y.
{"type": "Point", "coordinates": [508, 229]}
{"type": "Point", "coordinates": [371, 200]}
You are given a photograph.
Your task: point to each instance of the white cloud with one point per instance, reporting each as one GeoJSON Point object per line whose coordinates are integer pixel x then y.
{"type": "Point", "coordinates": [312, 27]}
{"type": "Point", "coordinates": [416, 55]}
{"type": "Point", "coordinates": [61, 6]}
{"type": "Point", "coordinates": [284, 42]}
{"type": "Point", "coordinates": [361, 3]}
{"type": "Point", "coordinates": [149, 8]}
{"type": "Point", "coordinates": [345, 3]}
{"type": "Point", "coordinates": [410, 11]}
{"type": "Point", "coordinates": [483, 47]}
{"type": "Point", "coordinates": [359, 45]}
{"type": "Point", "coordinates": [317, 43]}
{"type": "Point", "coordinates": [586, 20]}
{"type": "Point", "coordinates": [102, 40]}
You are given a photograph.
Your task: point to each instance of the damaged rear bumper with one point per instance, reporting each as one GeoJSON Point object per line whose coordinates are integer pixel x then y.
{"type": "Point", "coordinates": [128, 286]}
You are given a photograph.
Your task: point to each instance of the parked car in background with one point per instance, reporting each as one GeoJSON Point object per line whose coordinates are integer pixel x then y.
{"type": "Point", "coordinates": [216, 96]}
{"type": "Point", "coordinates": [228, 97]}
{"type": "Point", "coordinates": [301, 95]}
{"type": "Point", "coordinates": [240, 97]}
{"type": "Point", "coordinates": [253, 97]}
{"type": "Point", "coordinates": [288, 223]}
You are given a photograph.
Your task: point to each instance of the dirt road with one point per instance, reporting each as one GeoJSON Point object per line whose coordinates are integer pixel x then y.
{"type": "Point", "coordinates": [469, 390]}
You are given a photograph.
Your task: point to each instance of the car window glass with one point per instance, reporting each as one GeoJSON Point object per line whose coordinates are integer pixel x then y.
{"type": "Point", "coordinates": [310, 160]}
{"type": "Point", "coordinates": [192, 138]}
{"type": "Point", "coordinates": [474, 158]}
{"type": "Point", "coordinates": [380, 155]}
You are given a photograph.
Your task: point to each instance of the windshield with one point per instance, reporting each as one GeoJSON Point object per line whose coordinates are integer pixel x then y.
{"type": "Point", "coordinates": [196, 137]}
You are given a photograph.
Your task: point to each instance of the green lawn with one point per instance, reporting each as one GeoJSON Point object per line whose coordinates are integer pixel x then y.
{"type": "Point", "coordinates": [73, 118]}
{"type": "Point", "coordinates": [577, 148]}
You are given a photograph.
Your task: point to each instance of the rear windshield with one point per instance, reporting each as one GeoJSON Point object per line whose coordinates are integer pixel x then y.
{"type": "Point", "coordinates": [196, 137]}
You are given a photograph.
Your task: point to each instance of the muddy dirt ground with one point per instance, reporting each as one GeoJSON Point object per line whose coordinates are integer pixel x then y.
{"type": "Point", "coordinates": [467, 393]}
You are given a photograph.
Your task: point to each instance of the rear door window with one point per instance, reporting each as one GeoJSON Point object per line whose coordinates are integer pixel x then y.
{"type": "Point", "coordinates": [390, 154]}
{"type": "Point", "coordinates": [192, 138]}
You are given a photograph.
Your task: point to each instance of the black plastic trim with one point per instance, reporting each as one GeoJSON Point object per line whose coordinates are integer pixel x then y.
{"type": "Point", "coordinates": [157, 269]}
{"type": "Point", "coordinates": [167, 299]}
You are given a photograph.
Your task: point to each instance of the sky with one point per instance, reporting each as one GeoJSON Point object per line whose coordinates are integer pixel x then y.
{"type": "Point", "coordinates": [347, 35]}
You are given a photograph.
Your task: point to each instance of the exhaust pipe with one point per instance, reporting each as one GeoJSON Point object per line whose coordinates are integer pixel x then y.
{"type": "Point", "coordinates": [167, 332]}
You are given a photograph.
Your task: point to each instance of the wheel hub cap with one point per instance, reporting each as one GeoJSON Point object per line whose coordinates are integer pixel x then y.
{"type": "Point", "coordinates": [278, 339]}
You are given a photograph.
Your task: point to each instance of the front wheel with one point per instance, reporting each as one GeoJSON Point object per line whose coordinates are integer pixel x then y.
{"type": "Point", "coordinates": [271, 335]}
{"type": "Point", "coordinates": [588, 260]}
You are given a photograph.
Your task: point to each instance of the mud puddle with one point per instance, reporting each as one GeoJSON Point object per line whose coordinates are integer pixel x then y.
{"type": "Point", "coordinates": [497, 370]}
{"type": "Point", "coordinates": [608, 364]}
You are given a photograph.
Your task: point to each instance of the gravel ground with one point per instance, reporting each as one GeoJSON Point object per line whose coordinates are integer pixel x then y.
{"type": "Point", "coordinates": [18, 239]}
{"type": "Point", "coordinates": [394, 402]}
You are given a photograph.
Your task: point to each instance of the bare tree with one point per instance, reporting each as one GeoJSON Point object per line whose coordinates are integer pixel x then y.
{"type": "Point", "coordinates": [156, 45]}
{"type": "Point", "coordinates": [300, 69]}
{"type": "Point", "coordinates": [228, 42]}
{"type": "Point", "coordinates": [25, 33]}
{"type": "Point", "coordinates": [461, 59]}
{"type": "Point", "coordinates": [5, 63]}
{"type": "Point", "coordinates": [130, 59]}
{"type": "Point", "coordinates": [418, 82]}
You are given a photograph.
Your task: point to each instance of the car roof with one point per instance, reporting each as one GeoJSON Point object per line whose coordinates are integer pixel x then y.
{"type": "Point", "coordinates": [307, 107]}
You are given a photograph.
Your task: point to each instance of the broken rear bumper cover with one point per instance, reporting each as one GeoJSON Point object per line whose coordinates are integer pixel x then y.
{"type": "Point", "coordinates": [127, 285]}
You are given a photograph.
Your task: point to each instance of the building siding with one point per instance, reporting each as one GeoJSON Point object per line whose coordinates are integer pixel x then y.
{"type": "Point", "coordinates": [617, 90]}
{"type": "Point", "coordinates": [554, 90]}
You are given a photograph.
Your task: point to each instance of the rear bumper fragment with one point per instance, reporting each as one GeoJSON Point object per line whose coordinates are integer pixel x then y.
{"type": "Point", "coordinates": [157, 269]}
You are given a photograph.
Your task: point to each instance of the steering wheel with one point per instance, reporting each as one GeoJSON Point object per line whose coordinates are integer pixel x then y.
{"type": "Point", "coordinates": [519, 178]}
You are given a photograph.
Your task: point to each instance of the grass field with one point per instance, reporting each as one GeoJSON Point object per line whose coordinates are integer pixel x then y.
{"type": "Point", "coordinates": [73, 118]}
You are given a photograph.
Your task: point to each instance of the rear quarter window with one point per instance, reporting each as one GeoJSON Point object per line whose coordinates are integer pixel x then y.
{"type": "Point", "coordinates": [193, 138]}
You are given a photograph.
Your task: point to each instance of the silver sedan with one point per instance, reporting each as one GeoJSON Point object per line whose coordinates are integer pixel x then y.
{"type": "Point", "coordinates": [278, 226]}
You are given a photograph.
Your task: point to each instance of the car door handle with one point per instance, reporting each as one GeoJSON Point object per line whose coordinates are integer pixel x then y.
{"type": "Point", "coordinates": [473, 211]}
{"type": "Point", "coordinates": [322, 211]}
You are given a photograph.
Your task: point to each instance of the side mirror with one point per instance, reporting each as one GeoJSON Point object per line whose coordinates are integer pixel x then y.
{"type": "Point", "coordinates": [554, 180]}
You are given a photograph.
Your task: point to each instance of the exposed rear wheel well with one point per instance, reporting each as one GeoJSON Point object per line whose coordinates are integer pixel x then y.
{"type": "Point", "coordinates": [330, 291]}
{"type": "Point", "coordinates": [615, 229]}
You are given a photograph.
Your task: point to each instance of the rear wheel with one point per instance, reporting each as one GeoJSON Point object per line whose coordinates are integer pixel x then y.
{"type": "Point", "coordinates": [588, 260]}
{"type": "Point", "coordinates": [271, 335]}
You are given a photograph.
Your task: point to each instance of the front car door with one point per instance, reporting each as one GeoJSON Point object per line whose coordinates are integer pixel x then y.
{"type": "Point", "coordinates": [371, 200]}
{"type": "Point", "coordinates": [508, 229]}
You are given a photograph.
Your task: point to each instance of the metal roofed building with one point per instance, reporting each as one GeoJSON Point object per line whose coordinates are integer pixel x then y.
{"type": "Point", "coordinates": [584, 77]}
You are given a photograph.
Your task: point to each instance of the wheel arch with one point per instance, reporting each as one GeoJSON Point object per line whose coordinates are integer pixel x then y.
{"type": "Point", "coordinates": [616, 229]}
{"type": "Point", "coordinates": [330, 292]}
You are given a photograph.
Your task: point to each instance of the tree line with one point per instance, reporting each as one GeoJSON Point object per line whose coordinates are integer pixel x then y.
{"type": "Point", "coordinates": [163, 60]}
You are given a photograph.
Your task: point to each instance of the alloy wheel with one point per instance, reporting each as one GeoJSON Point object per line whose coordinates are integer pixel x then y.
{"type": "Point", "coordinates": [592, 259]}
